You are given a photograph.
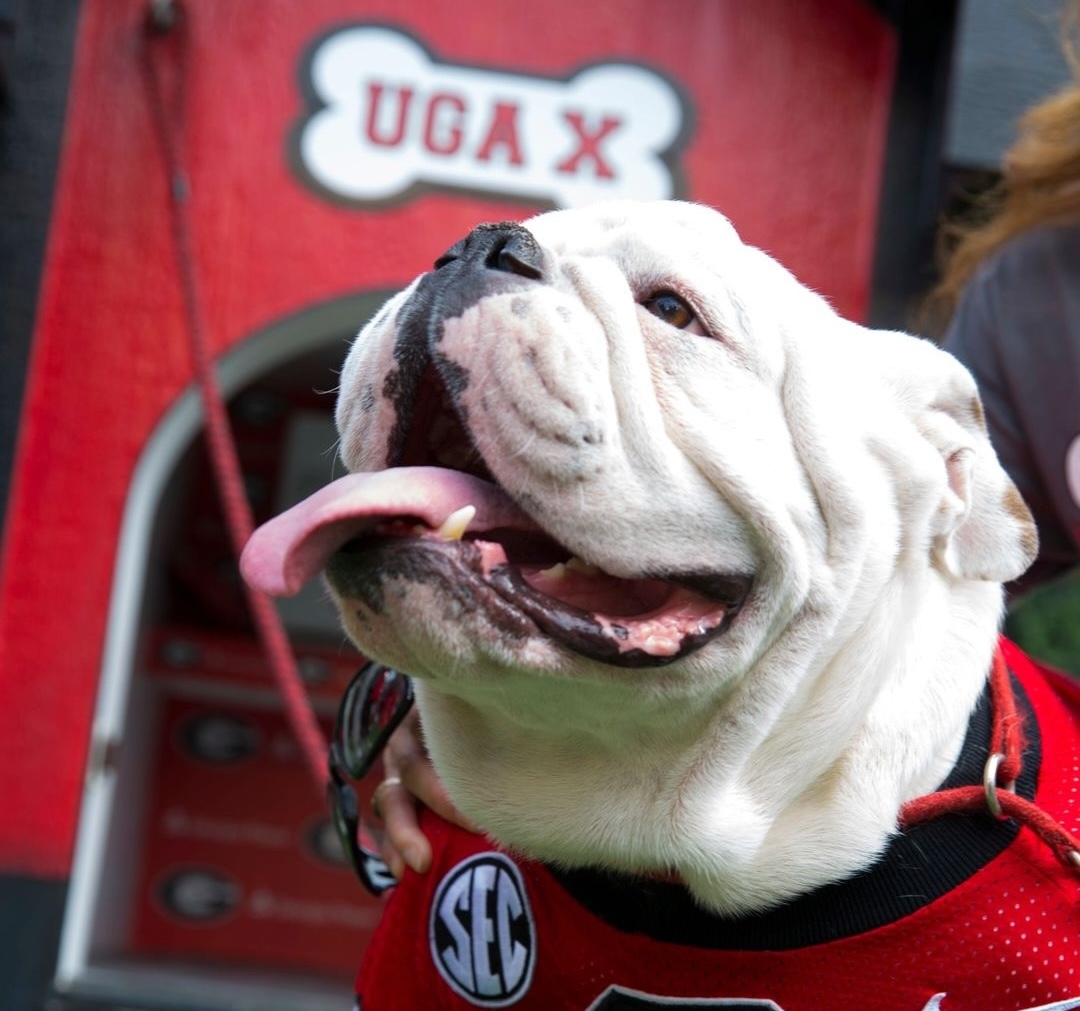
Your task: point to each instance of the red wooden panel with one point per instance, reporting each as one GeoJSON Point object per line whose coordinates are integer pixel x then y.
{"type": "Point", "coordinates": [784, 129]}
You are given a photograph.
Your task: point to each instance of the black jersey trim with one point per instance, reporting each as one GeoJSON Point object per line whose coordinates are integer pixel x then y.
{"type": "Point", "coordinates": [920, 865]}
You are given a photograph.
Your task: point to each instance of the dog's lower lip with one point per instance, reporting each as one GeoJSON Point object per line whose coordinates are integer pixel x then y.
{"type": "Point", "coordinates": [685, 622]}
{"type": "Point", "coordinates": [651, 624]}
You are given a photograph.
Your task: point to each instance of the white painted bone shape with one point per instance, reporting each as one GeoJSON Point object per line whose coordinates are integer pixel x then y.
{"type": "Point", "coordinates": [392, 117]}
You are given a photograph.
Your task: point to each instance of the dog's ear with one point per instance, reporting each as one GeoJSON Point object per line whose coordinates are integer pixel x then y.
{"type": "Point", "coordinates": [982, 529]}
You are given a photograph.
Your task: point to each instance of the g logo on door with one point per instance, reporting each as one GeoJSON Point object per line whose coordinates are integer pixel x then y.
{"type": "Point", "coordinates": [482, 934]}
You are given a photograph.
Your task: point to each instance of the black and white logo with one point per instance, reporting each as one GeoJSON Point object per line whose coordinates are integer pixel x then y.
{"type": "Point", "coordinates": [198, 894]}
{"type": "Point", "coordinates": [219, 738]}
{"type": "Point", "coordinates": [483, 938]}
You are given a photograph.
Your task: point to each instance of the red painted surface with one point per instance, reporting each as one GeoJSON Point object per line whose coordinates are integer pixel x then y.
{"type": "Point", "coordinates": [789, 106]}
{"type": "Point", "coordinates": [256, 830]}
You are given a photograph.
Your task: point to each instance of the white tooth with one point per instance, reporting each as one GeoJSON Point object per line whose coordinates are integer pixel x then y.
{"type": "Point", "coordinates": [557, 571]}
{"type": "Point", "coordinates": [455, 525]}
{"type": "Point", "coordinates": [579, 565]}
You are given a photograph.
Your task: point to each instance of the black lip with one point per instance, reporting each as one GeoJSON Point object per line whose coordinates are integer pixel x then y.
{"type": "Point", "coordinates": [578, 630]}
{"type": "Point", "coordinates": [360, 570]}
{"type": "Point", "coordinates": [728, 589]}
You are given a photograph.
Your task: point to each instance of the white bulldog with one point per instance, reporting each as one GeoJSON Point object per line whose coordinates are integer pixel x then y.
{"type": "Point", "coordinates": [697, 578]}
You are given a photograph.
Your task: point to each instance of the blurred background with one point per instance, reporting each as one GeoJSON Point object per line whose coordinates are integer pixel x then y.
{"type": "Point", "coordinates": [260, 175]}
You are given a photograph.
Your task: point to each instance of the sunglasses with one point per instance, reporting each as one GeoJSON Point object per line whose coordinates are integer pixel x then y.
{"type": "Point", "coordinates": [377, 700]}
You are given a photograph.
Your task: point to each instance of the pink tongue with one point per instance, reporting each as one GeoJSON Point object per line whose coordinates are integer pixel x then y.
{"type": "Point", "coordinates": [291, 549]}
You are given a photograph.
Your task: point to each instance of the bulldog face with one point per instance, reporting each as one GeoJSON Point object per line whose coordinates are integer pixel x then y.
{"type": "Point", "coordinates": [619, 438]}
{"type": "Point", "coordinates": [541, 372]}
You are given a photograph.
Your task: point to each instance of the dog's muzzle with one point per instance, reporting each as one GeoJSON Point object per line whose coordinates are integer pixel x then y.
{"type": "Point", "coordinates": [436, 516]}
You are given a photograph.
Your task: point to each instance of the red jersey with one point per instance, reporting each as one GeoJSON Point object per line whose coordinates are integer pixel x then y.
{"type": "Point", "coordinates": [962, 913]}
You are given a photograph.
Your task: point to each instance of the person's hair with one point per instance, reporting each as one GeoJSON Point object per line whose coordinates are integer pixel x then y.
{"type": "Point", "coordinates": [1040, 183]}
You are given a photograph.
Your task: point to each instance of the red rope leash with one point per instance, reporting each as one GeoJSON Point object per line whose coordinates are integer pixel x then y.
{"type": "Point", "coordinates": [1007, 732]}
{"type": "Point", "coordinates": [1003, 767]}
{"type": "Point", "coordinates": [165, 64]}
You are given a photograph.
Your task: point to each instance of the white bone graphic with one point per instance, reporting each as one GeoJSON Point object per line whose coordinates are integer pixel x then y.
{"type": "Point", "coordinates": [393, 117]}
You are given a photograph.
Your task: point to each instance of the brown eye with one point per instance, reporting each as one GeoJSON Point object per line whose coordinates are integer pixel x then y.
{"type": "Point", "coordinates": [671, 309]}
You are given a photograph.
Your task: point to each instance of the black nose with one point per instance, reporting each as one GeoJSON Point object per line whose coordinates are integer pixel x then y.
{"type": "Point", "coordinates": [505, 246]}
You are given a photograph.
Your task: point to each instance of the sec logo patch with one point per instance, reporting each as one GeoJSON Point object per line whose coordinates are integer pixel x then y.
{"type": "Point", "coordinates": [482, 933]}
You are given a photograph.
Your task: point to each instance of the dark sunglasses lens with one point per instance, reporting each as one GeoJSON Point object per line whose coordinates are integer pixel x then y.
{"type": "Point", "coordinates": [374, 704]}
{"type": "Point", "coordinates": [376, 701]}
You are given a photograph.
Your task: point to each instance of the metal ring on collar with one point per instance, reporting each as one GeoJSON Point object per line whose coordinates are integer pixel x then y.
{"type": "Point", "coordinates": [990, 784]}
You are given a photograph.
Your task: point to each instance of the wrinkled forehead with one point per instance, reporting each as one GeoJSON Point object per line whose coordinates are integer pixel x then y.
{"type": "Point", "coordinates": [632, 230]}
{"type": "Point", "coordinates": [745, 295]}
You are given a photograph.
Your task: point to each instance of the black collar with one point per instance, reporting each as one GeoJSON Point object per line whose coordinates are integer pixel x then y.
{"type": "Point", "coordinates": [919, 866]}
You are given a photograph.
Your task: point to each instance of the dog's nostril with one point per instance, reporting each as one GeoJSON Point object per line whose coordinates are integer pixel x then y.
{"type": "Point", "coordinates": [519, 254]}
{"type": "Point", "coordinates": [504, 246]}
{"type": "Point", "coordinates": [453, 253]}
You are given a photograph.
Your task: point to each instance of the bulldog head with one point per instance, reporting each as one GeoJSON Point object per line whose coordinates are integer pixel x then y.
{"type": "Point", "coordinates": [631, 500]}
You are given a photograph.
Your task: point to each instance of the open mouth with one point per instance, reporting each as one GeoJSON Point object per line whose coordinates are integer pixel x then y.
{"type": "Point", "coordinates": [439, 513]}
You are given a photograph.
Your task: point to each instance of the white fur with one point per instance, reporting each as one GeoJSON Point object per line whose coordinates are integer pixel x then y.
{"type": "Point", "coordinates": [848, 469]}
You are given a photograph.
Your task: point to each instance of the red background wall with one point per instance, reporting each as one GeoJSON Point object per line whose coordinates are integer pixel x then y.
{"type": "Point", "coordinates": [789, 116]}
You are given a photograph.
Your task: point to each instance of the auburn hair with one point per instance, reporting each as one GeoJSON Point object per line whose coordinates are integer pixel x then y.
{"type": "Point", "coordinates": [1039, 185]}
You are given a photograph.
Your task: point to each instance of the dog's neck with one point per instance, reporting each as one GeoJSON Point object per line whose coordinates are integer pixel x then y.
{"type": "Point", "coordinates": [792, 780]}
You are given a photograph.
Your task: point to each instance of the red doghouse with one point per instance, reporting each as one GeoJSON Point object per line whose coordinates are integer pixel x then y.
{"type": "Point", "coordinates": [331, 146]}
